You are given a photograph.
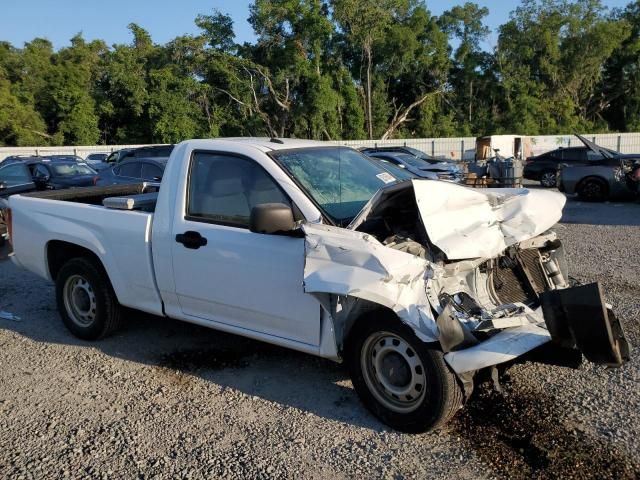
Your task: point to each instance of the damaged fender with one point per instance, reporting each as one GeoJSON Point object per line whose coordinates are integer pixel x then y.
{"type": "Point", "coordinates": [354, 264]}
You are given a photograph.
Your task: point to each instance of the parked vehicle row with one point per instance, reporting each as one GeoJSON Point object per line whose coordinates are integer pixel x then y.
{"type": "Point", "coordinates": [418, 285]}
{"type": "Point", "coordinates": [133, 171]}
{"type": "Point", "coordinates": [592, 172]}
{"type": "Point", "coordinates": [417, 162]}
{"type": "Point", "coordinates": [153, 151]}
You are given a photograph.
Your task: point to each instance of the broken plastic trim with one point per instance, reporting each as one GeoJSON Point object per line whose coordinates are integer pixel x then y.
{"type": "Point", "coordinates": [579, 317]}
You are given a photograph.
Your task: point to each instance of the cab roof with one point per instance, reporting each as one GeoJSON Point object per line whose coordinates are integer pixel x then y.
{"type": "Point", "coordinates": [267, 144]}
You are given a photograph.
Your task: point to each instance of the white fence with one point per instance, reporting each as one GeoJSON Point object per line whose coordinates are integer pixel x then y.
{"type": "Point", "coordinates": [456, 148]}
{"type": "Point", "coordinates": [463, 148]}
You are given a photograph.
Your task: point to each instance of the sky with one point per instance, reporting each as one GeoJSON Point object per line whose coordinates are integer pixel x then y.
{"type": "Point", "coordinates": [58, 21]}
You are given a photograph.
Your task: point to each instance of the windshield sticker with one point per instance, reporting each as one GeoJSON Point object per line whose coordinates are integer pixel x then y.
{"type": "Point", "coordinates": [386, 177]}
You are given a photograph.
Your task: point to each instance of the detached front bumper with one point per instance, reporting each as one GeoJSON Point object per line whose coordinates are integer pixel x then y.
{"type": "Point", "coordinates": [577, 319]}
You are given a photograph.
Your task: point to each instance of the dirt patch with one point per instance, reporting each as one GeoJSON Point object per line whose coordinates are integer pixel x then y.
{"type": "Point", "coordinates": [195, 360]}
{"type": "Point", "coordinates": [522, 436]}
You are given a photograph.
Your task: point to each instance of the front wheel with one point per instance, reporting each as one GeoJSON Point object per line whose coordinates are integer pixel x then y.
{"type": "Point", "coordinates": [400, 379]}
{"type": "Point", "coordinates": [86, 301]}
{"type": "Point", "coordinates": [548, 179]}
{"type": "Point", "coordinates": [593, 190]}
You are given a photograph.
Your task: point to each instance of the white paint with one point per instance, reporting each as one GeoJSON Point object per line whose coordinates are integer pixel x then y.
{"type": "Point", "coordinates": [252, 284]}
{"type": "Point", "coordinates": [355, 264]}
{"type": "Point", "coordinates": [502, 347]}
{"type": "Point", "coordinates": [469, 223]}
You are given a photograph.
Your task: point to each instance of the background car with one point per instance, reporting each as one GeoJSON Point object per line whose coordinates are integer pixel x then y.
{"type": "Point", "coordinates": [19, 158]}
{"type": "Point", "coordinates": [153, 151]}
{"type": "Point", "coordinates": [133, 171]}
{"type": "Point", "coordinates": [117, 155]}
{"type": "Point", "coordinates": [62, 157]}
{"type": "Point", "coordinates": [96, 157]}
{"type": "Point", "coordinates": [97, 161]}
{"type": "Point", "coordinates": [544, 167]}
{"type": "Point", "coordinates": [401, 174]}
{"type": "Point", "coordinates": [60, 174]}
{"type": "Point", "coordinates": [15, 177]}
{"type": "Point", "coordinates": [611, 175]}
{"type": "Point", "coordinates": [419, 166]}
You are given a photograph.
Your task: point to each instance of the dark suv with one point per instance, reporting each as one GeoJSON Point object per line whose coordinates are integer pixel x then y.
{"type": "Point", "coordinates": [152, 151]}
{"type": "Point", "coordinates": [544, 167]}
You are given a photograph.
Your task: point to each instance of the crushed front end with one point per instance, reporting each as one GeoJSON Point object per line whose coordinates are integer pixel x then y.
{"type": "Point", "coordinates": [504, 307]}
{"type": "Point", "coordinates": [482, 273]}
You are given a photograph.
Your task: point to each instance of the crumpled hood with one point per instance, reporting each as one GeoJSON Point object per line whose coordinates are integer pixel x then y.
{"type": "Point", "coordinates": [470, 223]}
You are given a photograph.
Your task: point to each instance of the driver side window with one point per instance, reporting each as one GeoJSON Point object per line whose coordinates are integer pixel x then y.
{"type": "Point", "coordinates": [224, 188]}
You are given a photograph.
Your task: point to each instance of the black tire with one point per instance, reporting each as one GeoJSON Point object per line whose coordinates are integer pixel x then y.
{"type": "Point", "coordinates": [548, 178]}
{"type": "Point", "coordinates": [435, 403]}
{"type": "Point", "coordinates": [593, 190]}
{"type": "Point", "coordinates": [102, 315]}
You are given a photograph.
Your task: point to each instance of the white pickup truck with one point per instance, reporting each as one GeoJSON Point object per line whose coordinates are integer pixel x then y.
{"type": "Point", "coordinates": [417, 285]}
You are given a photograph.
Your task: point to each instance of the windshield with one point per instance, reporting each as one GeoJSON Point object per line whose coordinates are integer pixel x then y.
{"type": "Point", "coordinates": [71, 169]}
{"type": "Point", "coordinates": [414, 161]}
{"type": "Point", "coordinates": [339, 179]}
{"type": "Point", "coordinates": [395, 170]}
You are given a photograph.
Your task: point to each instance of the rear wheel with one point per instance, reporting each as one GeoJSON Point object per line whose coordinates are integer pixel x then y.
{"type": "Point", "coordinates": [548, 179]}
{"type": "Point", "coordinates": [593, 190]}
{"type": "Point", "coordinates": [400, 379]}
{"type": "Point", "coordinates": [86, 300]}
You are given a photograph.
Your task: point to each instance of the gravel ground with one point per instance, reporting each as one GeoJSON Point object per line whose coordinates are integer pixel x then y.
{"type": "Point", "coordinates": [165, 399]}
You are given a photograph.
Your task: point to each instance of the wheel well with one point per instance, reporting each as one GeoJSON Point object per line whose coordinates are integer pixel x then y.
{"type": "Point", "coordinates": [360, 313]}
{"type": "Point", "coordinates": [592, 177]}
{"type": "Point", "coordinates": [59, 252]}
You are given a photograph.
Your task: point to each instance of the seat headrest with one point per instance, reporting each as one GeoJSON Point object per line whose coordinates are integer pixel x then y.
{"type": "Point", "coordinates": [227, 186]}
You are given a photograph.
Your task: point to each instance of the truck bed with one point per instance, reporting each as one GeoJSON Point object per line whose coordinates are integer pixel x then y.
{"type": "Point", "coordinates": [95, 195]}
{"type": "Point", "coordinates": [119, 237]}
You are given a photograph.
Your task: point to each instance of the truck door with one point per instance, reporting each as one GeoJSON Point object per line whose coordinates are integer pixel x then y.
{"type": "Point", "coordinates": [225, 273]}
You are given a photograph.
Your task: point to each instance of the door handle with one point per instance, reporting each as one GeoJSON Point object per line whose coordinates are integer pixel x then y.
{"type": "Point", "coordinates": [191, 239]}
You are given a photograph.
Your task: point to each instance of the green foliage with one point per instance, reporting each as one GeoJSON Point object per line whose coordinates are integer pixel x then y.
{"type": "Point", "coordinates": [334, 69]}
{"type": "Point", "coordinates": [551, 56]}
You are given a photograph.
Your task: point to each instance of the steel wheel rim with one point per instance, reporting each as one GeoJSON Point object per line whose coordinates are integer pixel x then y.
{"type": "Point", "coordinates": [548, 179]}
{"type": "Point", "coordinates": [79, 300]}
{"type": "Point", "coordinates": [393, 372]}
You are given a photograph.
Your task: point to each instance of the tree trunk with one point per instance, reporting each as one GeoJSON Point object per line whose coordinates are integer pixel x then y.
{"type": "Point", "coordinates": [470, 99]}
{"type": "Point", "coordinates": [367, 49]}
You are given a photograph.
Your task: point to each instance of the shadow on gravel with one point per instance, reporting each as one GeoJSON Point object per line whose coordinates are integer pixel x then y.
{"type": "Point", "coordinates": [275, 374]}
{"type": "Point", "coordinates": [522, 437]}
{"type": "Point", "coordinates": [182, 354]}
{"type": "Point", "coordinates": [623, 213]}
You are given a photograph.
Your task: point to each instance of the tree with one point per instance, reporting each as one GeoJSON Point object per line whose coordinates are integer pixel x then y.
{"type": "Point", "coordinates": [465, 25]}
{"type": "Point", "coordinates": [364, 22]}
{"type": "Point", "coordinates": [20, 124]}
{"type": "Point", "coordinates": [620, 86]}
{"type": "Point", "coordinates": [551, 56]}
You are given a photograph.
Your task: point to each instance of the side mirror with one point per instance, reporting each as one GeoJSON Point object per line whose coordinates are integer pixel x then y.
{"type": "Point", "coordinates": [272, 218]}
